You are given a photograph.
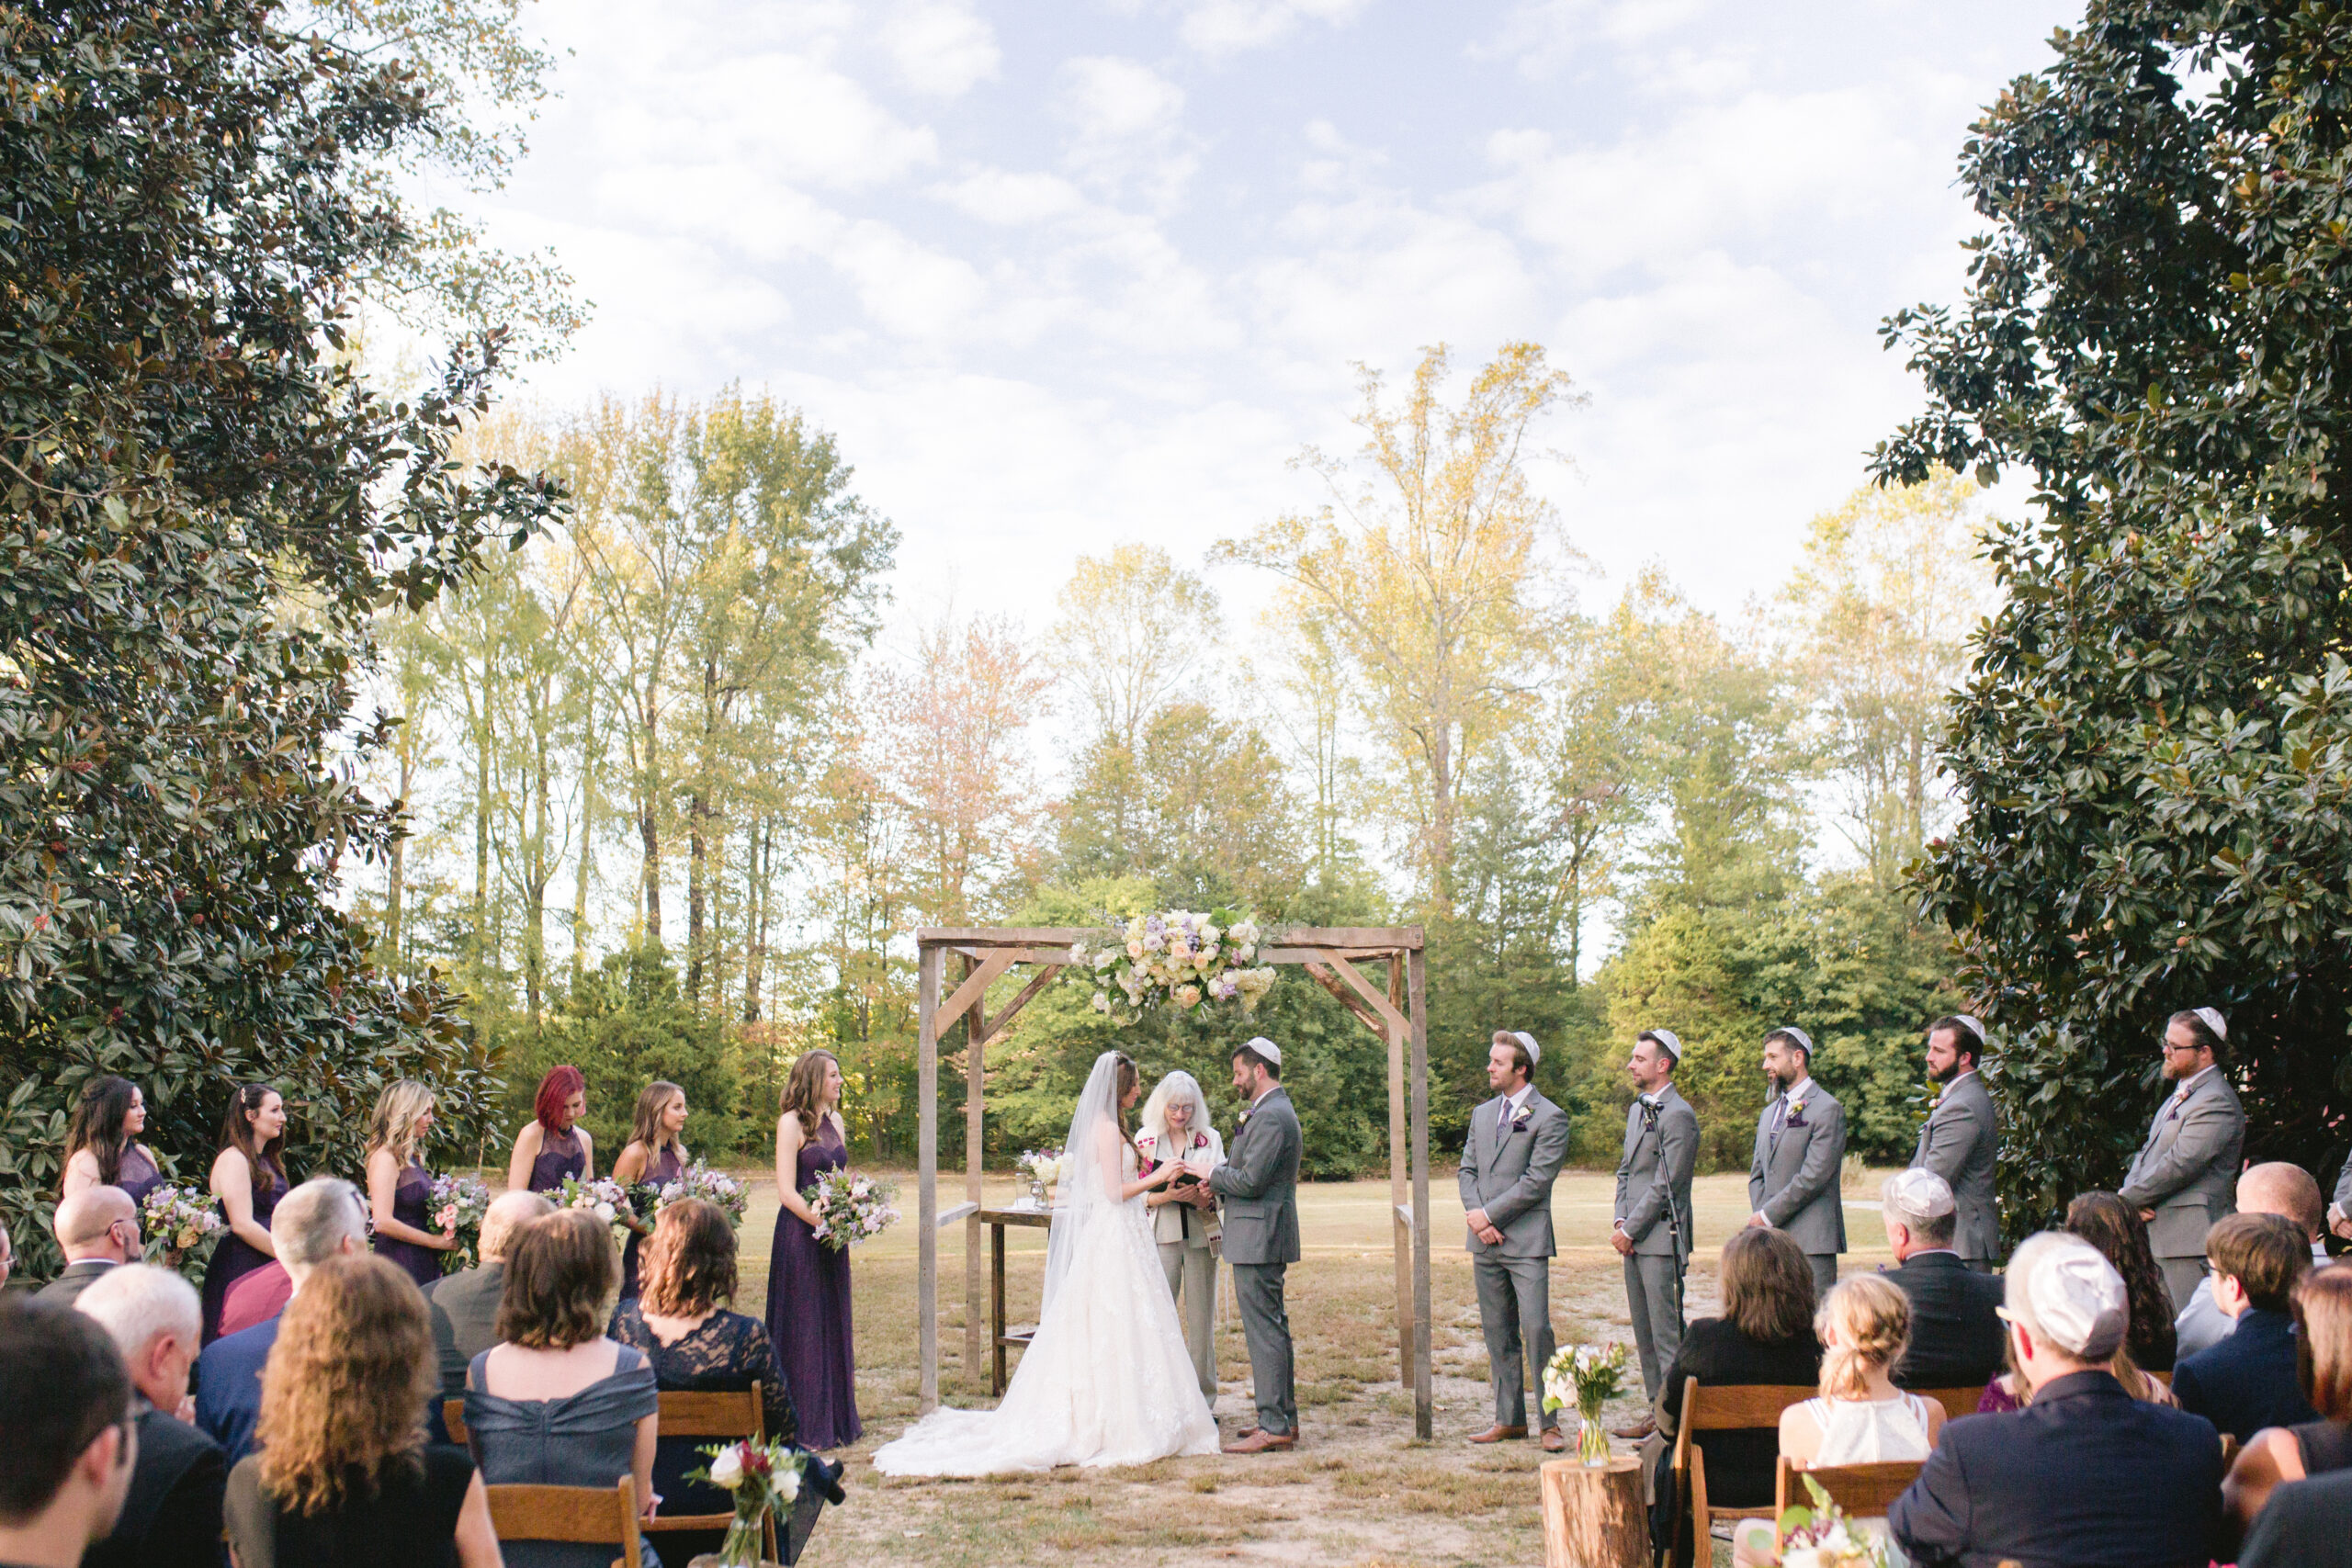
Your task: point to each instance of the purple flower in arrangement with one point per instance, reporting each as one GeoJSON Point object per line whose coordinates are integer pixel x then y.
{"type": "Point", "coordinates": [1153, 925]}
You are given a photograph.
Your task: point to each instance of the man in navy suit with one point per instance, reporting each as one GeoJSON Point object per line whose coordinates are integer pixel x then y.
{"type": "Point", "coordinates": [2085, 1474]}
{"type": "Point", "coordinates": [315, 1222]}
{"type": "Point", "coordinates": [2246, 1380]}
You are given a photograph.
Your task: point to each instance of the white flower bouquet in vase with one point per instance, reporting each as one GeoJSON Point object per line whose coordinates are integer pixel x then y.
{"type": "Point", "coordinates": [850, 1208]}
{"type": "Point", "coordinates": [760, 1477]}
{"type": "Point", "coordinates": [1586, 1376]}
{"type": "Point", "coordinates": [1042, 1168]}
{"type": "Point", "coordinates": [180, 1224]}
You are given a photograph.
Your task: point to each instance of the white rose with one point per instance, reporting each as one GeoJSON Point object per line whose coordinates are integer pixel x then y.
{"type": "Point", "coordinates": [726, 1470]}
{"type": "Point", "coordinates": [604, 1213]}
{"type": "Point", "coordinates": [787, 1484]}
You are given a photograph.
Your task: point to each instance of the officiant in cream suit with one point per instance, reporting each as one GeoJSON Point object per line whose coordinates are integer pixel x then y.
{"type": "Point", "coordinates": [1184, 1221]}
{"type": "Point", "coordinates": [1518, 1141]}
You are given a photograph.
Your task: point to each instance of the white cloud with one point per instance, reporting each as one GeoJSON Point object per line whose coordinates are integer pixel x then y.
{"type": "Point", "coordinates": [942, 47]}
{"type": "Point", "coordinates": [1223, 26]}
{"type": "Point", "coordinates": [1127, 125]}
{"type": "Point", "coordinates": [1000, 196]}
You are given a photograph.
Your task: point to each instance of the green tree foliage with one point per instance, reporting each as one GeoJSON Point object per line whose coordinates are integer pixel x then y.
{"type": "Point", "coordinates": [2153, 748]}
{"type": "Point", "coordinates": [202, 508]}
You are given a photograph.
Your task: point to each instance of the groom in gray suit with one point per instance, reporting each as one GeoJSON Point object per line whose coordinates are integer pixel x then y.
{"type": "Point", "coordinates": [1800, 1143]}
{"type": "Point", "coordinates": [1518, 1141]}
{"type": "Point", "coordinates": [2185, 1177]}
{"type": "Point", "coordinates": [1961, 1142]}
{"type": "Point", "coordinates": [1259, 1182]}
{"type": "Point", "coordinates": [1653, 1218]}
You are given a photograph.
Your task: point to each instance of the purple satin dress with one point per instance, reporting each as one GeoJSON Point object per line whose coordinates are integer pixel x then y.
{"type": "Point", "coordinates": [560, 1155]}
{"type": "Point", "coordinates": [808, 1313]}
{"type": "Point", "coordinates": [234, 1257]}
{"type": "Point", "coordinates": [666, 1167]}
{"type": "Point", "coordinates": [412, 1195]}
{"type": "Point", "coordinates": [137, 1176]}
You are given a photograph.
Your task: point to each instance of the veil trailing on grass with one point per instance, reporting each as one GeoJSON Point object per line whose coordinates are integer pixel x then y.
{"type": "Point", "coordinates": [1107, 1380]}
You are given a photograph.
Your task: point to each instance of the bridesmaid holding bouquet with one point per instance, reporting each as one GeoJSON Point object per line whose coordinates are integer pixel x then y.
{"type": "Point", "coordinates": [554, 1144]}
{"type": "Point", "coordinates": [400, 1188]}
{"type": "Point", "coordinates": [102, 1146]}
{"type": "Point", "coordinates": [652, 1158]}
{"type": "Point", "coordinates": [809, 1307]}
{"type": "Point", "coordinates": [248, 1178]}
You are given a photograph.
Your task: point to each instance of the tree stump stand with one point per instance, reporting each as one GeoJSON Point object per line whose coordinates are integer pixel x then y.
{"type": "Point", "coordinates": [1593, 1516]}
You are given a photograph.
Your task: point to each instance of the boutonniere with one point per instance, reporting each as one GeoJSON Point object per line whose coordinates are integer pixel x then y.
{"type": "Point", "coordinates": [1243, 1122]}
{"type": "Point", "coordinates": [1520, 1118]}
{"type": "Point", "coordinates": [1796, 1114]}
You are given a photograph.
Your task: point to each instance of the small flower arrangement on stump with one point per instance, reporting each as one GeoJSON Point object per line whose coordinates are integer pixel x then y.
{"type": "Point", "coordinates": [180, 1224]}
{"type": "Point", "coordinates": [711, 1185]}
{"type": "Point", "coordinates": [760, 1476]}
{"type": "Point", "coordinates": [1180, 958]}
{"type": "Point", "coordinates": [457, 1203]}
{"type": "Point", "coordinates": [849, 1208]}
{"type": "Point", "coordinates": [1586, 1376]}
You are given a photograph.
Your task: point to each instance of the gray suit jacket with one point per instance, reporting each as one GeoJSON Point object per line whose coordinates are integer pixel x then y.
{"type": "Point", "coordinates": [1793, 1180]}
{"type": "Point", "coordinates": [1511, 1176]}
{"type": "Point", "coordinates": [1259, 1182]}
{"type": "Point", "coordinates": [464, 1308]}
{"type": "Point", "coordinates": [1960, 1143]}
{"type": "Point", "coordinates": [1654, 1176]}
{"type": "Point", "coordinates": [2188, 1170]}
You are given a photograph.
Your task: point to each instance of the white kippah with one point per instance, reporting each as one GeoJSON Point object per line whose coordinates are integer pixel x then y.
{"type": "Point", "coordinates": [1668, 1041]}
{"type": "Point", "coordinates": [1266, 1048]}
{"type": "Point", "coordinates": [1921, 1194]}
{"type": "Point", "coordinates": [2079, 1300]}
{"type": "Point", "coordinates": [1534, 1051]}
{"type": "Point", "coordinates": [2213, 1021]}
{"type": "Point", "coordinates": [1975, 1026]}
{"type": "Point", "coordinates": [1799, 1035]}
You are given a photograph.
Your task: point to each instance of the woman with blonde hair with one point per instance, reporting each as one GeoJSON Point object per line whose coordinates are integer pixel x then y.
{"type": "Point", "coordinates": [1183, 1219]}
{"type": "Point", "coordinates": [400, 1188]}
{"type": "Point", "coordinates": [652, 1158]}
{"type": "Point", "coordinates": [809, 1305]}
{"type": "Point", "coordinates": [344, 1477]}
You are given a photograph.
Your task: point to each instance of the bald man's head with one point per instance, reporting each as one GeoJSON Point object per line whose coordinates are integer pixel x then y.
{"type": "Point", "coordinates": [2287, 1190]}
{"type": "Point", "coordinates": [506, 1215]}
{"type": "Point", "coordinates": [98, 1221]}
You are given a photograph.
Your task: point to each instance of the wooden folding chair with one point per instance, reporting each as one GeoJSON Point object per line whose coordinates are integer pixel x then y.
{"type": "Point", "coordinates": [582, 1516]}
{"type": "Point", "coordinates": [453, 1416]}
{"type": "Point", "coordinates": [1863, 1491]}
{"type": "Point", "coordinates": [723, 1417]}
{"type": "Point", "coordinates": [1957, 1401]}
{"type": "Point", "coordinates": [1735, 1407]}
{"type": "Point", "coordinates": [2229, 1452]}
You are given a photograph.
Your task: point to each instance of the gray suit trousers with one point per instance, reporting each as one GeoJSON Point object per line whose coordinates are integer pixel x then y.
{"type": "Point", "coordinates": [1515, 1306]}
{"type": "Point", "coordinates": [1825, 1273]}
{"type": "Point", "coordinates": [2181, 1278]}
{"type": "Point", "coordinates": [1192, 1280]}
{"type": "Point", "coordinates": [1257, 1294]}
{"type": "Point", "coordinates": [1654, 1297]}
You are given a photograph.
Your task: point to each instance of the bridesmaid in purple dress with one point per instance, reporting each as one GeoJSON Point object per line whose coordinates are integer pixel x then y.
{"type": "Point", "coordinates": [102, 1147]}
{"type": "Point", "coordinates": [652, 1158]}
{"type": "Point", "coordinates": [399, 1189]}
{"type": "Point", "coordinates": [554, 1144]}
{"type": "Point", "coordinates": [248, 1179]}
{"type": "Point", "coordinates": [809, 1311]}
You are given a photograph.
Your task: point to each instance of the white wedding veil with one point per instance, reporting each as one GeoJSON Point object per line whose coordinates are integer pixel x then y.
{"type": "Point", "coordinates": [1177, 1086]}
{"type": "Point", "coordinates": [1093, 1169]}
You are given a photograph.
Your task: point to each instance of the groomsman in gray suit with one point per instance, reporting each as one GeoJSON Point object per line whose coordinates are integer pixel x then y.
{"type": "Point", "coordinates": [1961, 1141]}
{"type": "Point", "coordinates": [1800, 1143]}
{"type": "Point", "coordinates": [1259, 1182]}
{"type": "Point", "coordinates": [1652, 1227]}
{"type": "Point", "coordinates": [2185, 1177]}
{"type": "Point", "coordinates": [1518, 1141]}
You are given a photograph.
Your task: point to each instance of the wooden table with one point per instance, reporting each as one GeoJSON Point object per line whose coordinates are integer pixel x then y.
{"type": "Point", "coordinates": [1593, 1516]}
{"type": "Point", "coordinates": [1002, 1335]}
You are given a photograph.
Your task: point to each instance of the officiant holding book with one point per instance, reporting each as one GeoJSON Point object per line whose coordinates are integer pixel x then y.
{"type": "Point", "coordinates": [1184, 1213]}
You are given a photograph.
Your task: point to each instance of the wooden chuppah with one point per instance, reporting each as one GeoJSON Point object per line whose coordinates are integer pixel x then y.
{"type": "Point", "coordinates": [1398, 1013]}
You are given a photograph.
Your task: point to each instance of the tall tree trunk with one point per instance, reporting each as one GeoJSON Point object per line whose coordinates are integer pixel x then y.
{"type": "Point", "coordinates": [484, 955]}
{"type": "Point", "coordinates": [587, 841]}
{"type": "Point", "coordinates": [698, 821]}
{"type": "Point", "coordinates": [755, 913]}
{"type": "Point", "coordinates": [649, 825]}
{"type": "Point", "coordinates": [537, 873]}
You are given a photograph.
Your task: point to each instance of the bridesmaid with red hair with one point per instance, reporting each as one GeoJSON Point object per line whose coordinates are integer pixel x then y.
{"type": "Point", "coordinates": [554, 1144]}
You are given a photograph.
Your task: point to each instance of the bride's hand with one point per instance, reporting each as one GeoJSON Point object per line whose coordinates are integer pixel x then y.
{"type": "Point", "coordinates": [1164, 1173]}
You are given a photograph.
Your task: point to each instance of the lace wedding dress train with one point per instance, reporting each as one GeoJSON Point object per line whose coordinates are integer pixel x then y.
{"type": "Point", "coordinates": [1107, 1380]}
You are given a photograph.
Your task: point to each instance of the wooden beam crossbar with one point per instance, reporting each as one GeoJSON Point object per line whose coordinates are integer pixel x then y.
{"type": "Point", "coordinates": [1038, 982]}
{"type": "Point", "coordinates": [1378, 1000]}
{"type": "Point", "coordinates": [974, 987]}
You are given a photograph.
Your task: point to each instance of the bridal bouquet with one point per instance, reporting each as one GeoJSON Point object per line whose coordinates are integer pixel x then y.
{"type": "Point", "coordinates": [761, 1476]}
{"type": "Point", "coordinates": [1586, 1376]}
{"type": "Point", "coordinates": [849, 1208]}
{"type": "Point", "coordinates": [1180, 958]}
{"type": "Point", "coordinates": [1823, 1536]}
{"type": "Point", "coordinates": [180, 1220]}
{"type": "Point", "coordinates": [713, 1185]}
{"type": "Point", "coordinates": [457, 1203]}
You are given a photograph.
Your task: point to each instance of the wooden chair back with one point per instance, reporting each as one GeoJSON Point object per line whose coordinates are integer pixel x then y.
{"type": "Point", "coordinates": [1864, 1491]}
{"type": "Point", "coordinates": [579, 1516]}
{"type": "Point", "coordinates": [1957, 1401]}
{"type": "Point", "coordinates": [723, 1417]}
{"type": "Point", "coordinates": [453, 1416]}
{"type": "Point", "coordinates": [2229, 1452]}
{"type": "Point", "coordinates": [1730, 1407]}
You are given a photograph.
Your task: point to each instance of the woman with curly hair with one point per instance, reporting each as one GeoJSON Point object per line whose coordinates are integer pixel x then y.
{"type": "Point", "coordinates": [344, 1477]}
{"type": "Point", "coordinates": [2113, 1226]}
{"type": "Point", "coordinates": [553, 1145]}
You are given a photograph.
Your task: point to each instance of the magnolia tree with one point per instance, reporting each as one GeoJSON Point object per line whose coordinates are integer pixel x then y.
{"type": "Point", "coordinates": [2152, 745]}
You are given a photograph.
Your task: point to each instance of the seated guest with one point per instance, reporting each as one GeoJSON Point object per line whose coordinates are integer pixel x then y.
{"type": "Point", "coordinates": [2277, 1188]}
{"type": "Point", "coordinates": [67, 1445]}
{"type": "Point", "coordinates": [2084, 1474]}
{"type": "Point", "coordinates": [317, 1220]}
{"type": "Point", "coordinates": [344, 1476]}
{"type": "Point", "coordinates": [2246, 1381]}
{"type": "Point", "coordinates": [99, 1228]}
{"type": "Point", "coordinates": [1955, 1324]}
{"type": "Point", "coordinates": [679, 1322]}
{"type": "Point", "coordinates": [557, 1404]}
{"type": "Point", "coordinates": [2308, 1524]}
{"type": "Point", "coordinates": [173, 1511]}
{"type": "Point", "coordinates": [1765, 1335]}
{"type": "Point", "coordinates": [1860, 1417]}
{"type": "Point", "coordinates": [464, 1304]}
{"type": "Point", "coordinates": [2113, 1226]}
{"type": "Point", "coordinates": [2322, 1310]}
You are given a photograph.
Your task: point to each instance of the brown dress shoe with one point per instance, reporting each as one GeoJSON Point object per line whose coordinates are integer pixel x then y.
{"type": "Point", "coordinates": [1262, 1441]}
{"type": "Point", "coordinates": [1637, 1431]}
{"type": "Point", "coordinates": [1498, 1432]}
{"type": "Point", "coordinates": [1552, 1442]}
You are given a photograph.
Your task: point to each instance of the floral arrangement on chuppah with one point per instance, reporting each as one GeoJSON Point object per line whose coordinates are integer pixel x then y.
{"type": "Point", "coordinates": [1180, 958]}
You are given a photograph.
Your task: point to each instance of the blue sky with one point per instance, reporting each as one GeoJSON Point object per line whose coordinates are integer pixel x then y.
{"type": "Point", "coordinates": [1060, 276]}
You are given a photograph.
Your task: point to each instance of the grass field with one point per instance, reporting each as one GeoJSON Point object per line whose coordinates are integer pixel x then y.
{"type": "Point", "coordinates": [1358, 1490]}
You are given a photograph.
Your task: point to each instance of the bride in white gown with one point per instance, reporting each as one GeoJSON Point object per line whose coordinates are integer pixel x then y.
{"type": "Point", "coordinates": [1107, 1380]}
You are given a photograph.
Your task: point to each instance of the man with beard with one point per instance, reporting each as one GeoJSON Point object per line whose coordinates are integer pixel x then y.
{"type": "Point", "coordinates": [1800, 1143]}
{"type": "Point", "coordinates": [1961, 1141]}
{"type": "Point", "coordinates": [2184, 1179]}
